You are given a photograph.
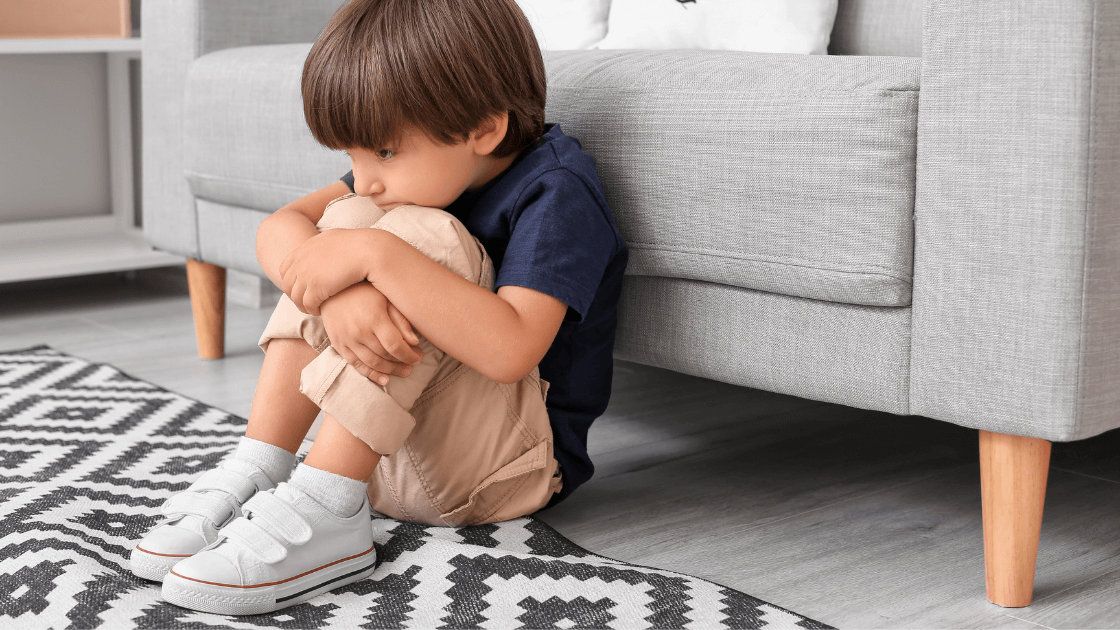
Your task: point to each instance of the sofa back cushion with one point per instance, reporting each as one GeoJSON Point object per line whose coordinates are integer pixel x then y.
{"type": "Point", "coordinates": [792, 174]}
{"type": "Point", "coordinates": [878, 27]}
{"type": "Point", "coordinates": [245, 140]}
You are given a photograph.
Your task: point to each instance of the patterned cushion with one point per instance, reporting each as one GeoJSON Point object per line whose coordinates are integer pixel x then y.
{"type": "Point", "coordinates": [786, 26]}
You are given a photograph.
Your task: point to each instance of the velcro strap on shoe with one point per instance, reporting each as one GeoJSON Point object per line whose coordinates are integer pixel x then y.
{"type": "Point", "coordinates": [236, 484]}
{"type": "Point", "coordinates": [205, 504]}
{"type": "Point", "coordinates": [279, 517]}
{"type": "Point", "coordinates": [254, 539]}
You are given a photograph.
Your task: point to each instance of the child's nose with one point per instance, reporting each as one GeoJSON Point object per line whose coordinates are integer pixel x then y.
{"type": "Point", "coordinates": [368, 187]}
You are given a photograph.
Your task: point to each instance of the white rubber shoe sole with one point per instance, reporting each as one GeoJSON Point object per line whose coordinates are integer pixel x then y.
{"type": "Point", "coordinates": [229, 599]}
{"type": "Point", "coordinates": [152, 566]}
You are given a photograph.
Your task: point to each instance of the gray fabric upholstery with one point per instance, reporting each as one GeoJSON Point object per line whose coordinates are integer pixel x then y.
{"type": "Point", "coordinates": [785, 173]}
{"type": "Point", "coordinates": [1016, 290]}
{"type": "Point", "coordinates": [245, 138]}
{"type": "Point", "coordinates": [814, 199]}
{"type": "Point", "coordinates": [228, 234]}
{"type": "Point", "coordinates": [841, 353]}
{"type": "Point", "coordinates": [741, 177]}
{"type": "Point", "coordinates": [877, 27]}
{"type": "Point", "coordinates": [175, 33]}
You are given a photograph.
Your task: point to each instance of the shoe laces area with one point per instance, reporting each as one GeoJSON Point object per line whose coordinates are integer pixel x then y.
{"type": "Point", "coordinates": [268, 527]}
{"type": "Point", "coordinates": [217, 495]}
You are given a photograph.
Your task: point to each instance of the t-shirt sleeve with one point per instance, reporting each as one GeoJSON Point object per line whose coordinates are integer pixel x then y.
{"type": "Point", "coordinates": [349, 179]}
{"type": "Point", "coordinates": [560, 243]}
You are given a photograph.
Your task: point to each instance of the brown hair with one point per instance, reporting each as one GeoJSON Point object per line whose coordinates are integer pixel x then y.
{"type": "Point", "coordinates": [442, 66]}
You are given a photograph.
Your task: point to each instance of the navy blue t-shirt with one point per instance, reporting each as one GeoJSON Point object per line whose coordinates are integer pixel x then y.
{"type": "Point", "coordinates": [545, 223]}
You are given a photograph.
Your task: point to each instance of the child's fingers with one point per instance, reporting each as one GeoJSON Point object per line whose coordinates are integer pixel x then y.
{"type": "Point", "coordinates": [296, 294]}
{"type": "Point", "coordinates": [364, 363]}
{"type": "Point", "coordinates": [393, 342]}
{"type": "Point", "coordinates": [370, 352]}
{"type": "Point", "coordinates": [386, 364]}
{"type": "Point", "coordinates": [312, 301]}
{"type": "Point", "coordinates": [285, 264]}
{"type": "Point", "coordinates": [403, 325]}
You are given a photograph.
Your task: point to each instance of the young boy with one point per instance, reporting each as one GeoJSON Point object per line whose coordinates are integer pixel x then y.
{"type": "Point", "coordinates": [440, 104]}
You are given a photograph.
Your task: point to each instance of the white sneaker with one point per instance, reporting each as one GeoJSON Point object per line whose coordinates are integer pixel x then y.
{"type": "Point", "coordinates": [195, 515]}
{"type": "Point", "coordinates": [286, 550]}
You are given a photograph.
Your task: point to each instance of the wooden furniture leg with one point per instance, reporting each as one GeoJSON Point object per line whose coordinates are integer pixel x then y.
{"type": "Point", "coordinates": [207, 286]}
{"type": "Point", "coordinates": [1013, 473]}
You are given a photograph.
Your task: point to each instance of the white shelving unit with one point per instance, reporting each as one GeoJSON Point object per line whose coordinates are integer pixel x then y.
{"type": "Point", "coordinates": [32, 250]}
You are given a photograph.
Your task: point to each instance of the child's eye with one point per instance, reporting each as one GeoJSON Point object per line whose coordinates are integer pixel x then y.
{"type": "Point", "coordinates": [385, 154]}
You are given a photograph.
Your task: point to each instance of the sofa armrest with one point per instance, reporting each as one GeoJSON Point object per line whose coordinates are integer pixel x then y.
{"type": "Point", "coordinates": [175, 33]}
{"type": "Point", "coordinates": [1016, 325]}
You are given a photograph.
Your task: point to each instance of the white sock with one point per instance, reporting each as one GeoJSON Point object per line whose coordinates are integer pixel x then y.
{"type": "Point", "coordinates": [275, 462]}
{"type": "Point", "coordinates": [342, 496]}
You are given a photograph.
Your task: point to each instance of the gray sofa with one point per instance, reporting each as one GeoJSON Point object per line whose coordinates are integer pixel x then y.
{"type": "Point", "coordinates": [924, 222]}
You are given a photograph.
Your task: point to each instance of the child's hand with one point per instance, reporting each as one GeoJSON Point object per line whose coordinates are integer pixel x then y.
{"type": "Point", "coordinates": [321, 267]}
{"type": "Point", "coordinates": [370, 333]}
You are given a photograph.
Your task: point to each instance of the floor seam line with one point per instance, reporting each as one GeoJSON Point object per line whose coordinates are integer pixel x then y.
{"type": "Point", "coordinates": [1075, 472]}
{"type": "Point", "coordinates": [853, 498]}
{"type": "Point", "coordinates": [1027, 621]}
{"type": "Point", "coordinates": [1073, 586]}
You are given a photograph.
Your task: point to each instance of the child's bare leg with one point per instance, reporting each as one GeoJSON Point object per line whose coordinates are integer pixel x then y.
{"type": "Point", "coordinates": [337, 451]}
{"type": "Point", "coordinates": [279, 420]}
{"type": "Point", "coordinates": [280, 414]}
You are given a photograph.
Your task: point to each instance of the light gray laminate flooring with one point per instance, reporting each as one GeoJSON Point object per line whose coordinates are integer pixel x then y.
{"type": "Point", "coordinates": [858, 519]}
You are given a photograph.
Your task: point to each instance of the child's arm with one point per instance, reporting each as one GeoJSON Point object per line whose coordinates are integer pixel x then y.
{"type": "Point", "coordinates": [358, 336]}
{"type": "Point", "coordinates": [502, 335]}
{"type": "Point", "coordinates": [380, 342]}
{"type": "Point", "coordinates": [288, 227]}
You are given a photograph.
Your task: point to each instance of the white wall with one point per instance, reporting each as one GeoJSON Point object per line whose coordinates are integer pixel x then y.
{"type": "Point", "coordinates": [54, 149]}
{"type": "Point", "coordinates": [54, 134]}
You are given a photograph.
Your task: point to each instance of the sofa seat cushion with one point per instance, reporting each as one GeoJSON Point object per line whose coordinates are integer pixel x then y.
{"type": "Point", "coordinates": [245, 138]}
{"type": "Point", "coordinates": [783, 173]}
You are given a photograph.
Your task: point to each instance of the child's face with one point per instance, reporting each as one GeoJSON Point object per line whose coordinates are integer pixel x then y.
{"type": "Point", "coordinates": [423, 173]}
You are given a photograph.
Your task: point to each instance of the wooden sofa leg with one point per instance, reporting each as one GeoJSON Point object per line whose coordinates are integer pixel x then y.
{"type": "Point", "coordinates": [1013, 472]}
{"type": "Point", "coordinates": [207, 286]}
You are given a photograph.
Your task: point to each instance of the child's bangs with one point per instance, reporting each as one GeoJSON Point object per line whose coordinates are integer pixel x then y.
{"type": "Point", "coordinates": [439, 66]}
{"type": "Point", "coordinates": [347, 102]}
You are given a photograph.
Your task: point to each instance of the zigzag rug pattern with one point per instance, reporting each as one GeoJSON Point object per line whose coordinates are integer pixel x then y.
{"type": "Point", "coordinates": [88, 454]}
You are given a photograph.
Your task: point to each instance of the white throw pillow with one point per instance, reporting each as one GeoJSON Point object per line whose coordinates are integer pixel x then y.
{"type": "Point", "coordinates": [786, 26]}
{"type": "Point", "coordinates": [567, 24]}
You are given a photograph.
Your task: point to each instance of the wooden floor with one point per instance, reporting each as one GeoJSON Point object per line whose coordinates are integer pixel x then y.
{"type": "Point", "coordinates": [855, 518]}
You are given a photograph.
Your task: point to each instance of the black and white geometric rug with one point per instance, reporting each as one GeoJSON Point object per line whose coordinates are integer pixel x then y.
{"type": "Point", "coordinates": [88, 454]}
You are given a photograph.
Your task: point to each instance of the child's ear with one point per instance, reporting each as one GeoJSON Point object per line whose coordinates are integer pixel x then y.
{"type": "Point", "coordinates": [490, 133]}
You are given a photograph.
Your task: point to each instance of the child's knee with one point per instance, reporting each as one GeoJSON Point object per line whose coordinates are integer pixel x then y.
{"type": "Point", "coordinates": [434, 232]}
{"type": "Point", "coordinates": [443, 238]}
{"type": "Point", "coordinates": [350, 212]}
